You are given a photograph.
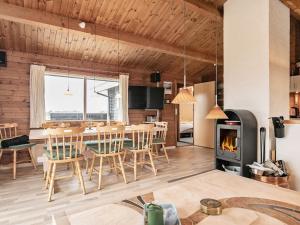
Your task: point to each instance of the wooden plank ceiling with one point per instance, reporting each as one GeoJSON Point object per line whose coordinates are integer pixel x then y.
{"type": "Point", "coordinates": [160, 20]}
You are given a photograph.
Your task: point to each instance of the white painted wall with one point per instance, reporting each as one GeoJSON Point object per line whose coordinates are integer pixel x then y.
{"type": "Point", "coordinates": [249, 61]}
{"type": "Point", "coordinates": [279, 62]}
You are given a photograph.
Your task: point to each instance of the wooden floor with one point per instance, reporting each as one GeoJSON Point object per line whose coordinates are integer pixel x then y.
{"type": "Point", "coordinates": [24, 201]}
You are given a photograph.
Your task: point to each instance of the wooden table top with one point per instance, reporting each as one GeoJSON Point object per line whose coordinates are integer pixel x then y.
{"type": "Point", "coordinates": [41, 134]}
{"type": "Point", "coordinates": [244, 201]}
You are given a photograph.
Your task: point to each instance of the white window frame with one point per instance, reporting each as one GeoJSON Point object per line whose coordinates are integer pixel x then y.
{"type": "Point", "coordinates": [85, 78]}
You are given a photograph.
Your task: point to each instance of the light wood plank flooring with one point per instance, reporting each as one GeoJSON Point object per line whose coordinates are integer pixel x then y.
{"type": "Point", "coordinates": [24, 201]}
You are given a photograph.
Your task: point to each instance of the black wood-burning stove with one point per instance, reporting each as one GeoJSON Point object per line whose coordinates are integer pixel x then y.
{"type": "Point", "coordinates": [236, 140]}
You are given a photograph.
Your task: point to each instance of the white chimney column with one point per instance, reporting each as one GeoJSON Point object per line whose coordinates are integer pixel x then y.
{"type": "Point", "coordinates": [257, 60]}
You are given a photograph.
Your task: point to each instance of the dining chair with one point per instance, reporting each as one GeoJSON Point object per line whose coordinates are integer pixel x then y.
{"type": "Point", "coordinates": [52, 125]}
{"type": "Point", "coordinates": [89, 140]}
{"type": "Point", "coordinates": [140, 145]}
{"type": "Point", "coordinates": [159, 139]}
{"type": "Point", "coordinates": [110, 140]}
{"type": "Point", "coordinates": [7, 131]}
{"type": "Point", "coordinates": [64, 147]}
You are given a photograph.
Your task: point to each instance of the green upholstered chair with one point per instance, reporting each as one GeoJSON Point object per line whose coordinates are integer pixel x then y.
{"type": "Point", "coordinates": [9, 130]}
{"type": "Point", "coordinates": [159, 139]}
{"type": "Point", "coordinates": [64, 147]}
{"type": "Point", "coordinates": [109, 145]}
{"type": "Point", "coordinates": [140, 145]}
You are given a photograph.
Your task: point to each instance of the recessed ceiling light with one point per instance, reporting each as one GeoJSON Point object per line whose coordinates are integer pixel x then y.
{"type": "Point", "coordinates": [81, 25]}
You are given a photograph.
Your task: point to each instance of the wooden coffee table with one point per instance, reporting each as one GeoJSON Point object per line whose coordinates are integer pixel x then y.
{"type": "Point", "coordinates": [245, 201]}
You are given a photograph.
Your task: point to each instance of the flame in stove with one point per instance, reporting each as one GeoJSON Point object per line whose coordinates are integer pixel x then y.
{"type": "Point", "coordinates": [229, 144]}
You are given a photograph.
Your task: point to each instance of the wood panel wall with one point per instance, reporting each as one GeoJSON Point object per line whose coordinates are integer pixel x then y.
{"type": "Point", "coordinates": [15, 100]}
{"type": "Point", "coordinates": [295, 41]}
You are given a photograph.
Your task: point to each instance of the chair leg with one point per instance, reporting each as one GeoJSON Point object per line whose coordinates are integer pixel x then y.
{"type": "Point", "coordinates": [49, 169]}
{"type": "Point", "coordinates": [74, 168]}
{"type": "Point", "coordinates": [51, 188]}
{"type": "Point", "coordinates": [45, 175]}
{"type": "Point", "coordinates": [115, 165]}
{"type": "Point", "coordinates": [110, 164]}
{"type": "Point", "coordinates": [156, 148]}
{"type": "Point", "coordinates": [92, 167]}
{"type": "Point", "coordinates": [100, 172]}
{"type": "Point", "coordinates": [1, 152]}
{"type": "Point", "coordinates": [135, 165]}
{"type": "Point", "coordinates": [152, 163]}
{"type": "Point", "coordinates": [87, 166]}
{"type": "Point", "coordinates": [32, 158]}
{"type": "Point", "coordinates": [122, 168]}
{"type": "Point", "coordinates": [77, 165]}
{"type": "Point", "coordinates": [14, 164]}
{"type": "Point", "coordinates": [166, 154]}
{"type": "Point", "coordinates": [124, 156]}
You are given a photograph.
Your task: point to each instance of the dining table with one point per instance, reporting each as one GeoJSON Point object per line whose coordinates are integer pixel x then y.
{"type": "Point", "coordinates": [42, 135]}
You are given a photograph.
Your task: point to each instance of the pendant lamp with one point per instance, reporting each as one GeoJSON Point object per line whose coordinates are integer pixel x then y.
{"type": "Point", "coordinates": [216, 112]}
{"type": "Point", "coordinates": [184, 96]}
{"type": "Point", "coordinates": [68, 92]}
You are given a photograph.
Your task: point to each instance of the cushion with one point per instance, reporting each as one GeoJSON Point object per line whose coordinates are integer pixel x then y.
{"type": "Point", "coordinates": [129, 145]}
{"type": "Point", "coordinates": [60, 153]}
{"type": "Point", "coordinates": [93, 142]}
{"type": "Point", "coordinates": [20, 147]}
{"type": "Point", "coordinates": [158, 140]}
{"type": "Point", "coordinates": [54, 145]}
{"type": "Point", "coordinates": [94, 148]}
{"type": "Point", "coordinates": [14, 141]}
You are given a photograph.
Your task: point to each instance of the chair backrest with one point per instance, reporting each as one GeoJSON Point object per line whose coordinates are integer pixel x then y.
{"type": "Point", "coordinates": [65, 143]}
{"type": "Point", "coordinates": [142, 136]}
{"type": "Point", "coordinates": [51, 124]}
{"type": "Point", "coordinates": [161, 124]}
{"type": "Point", "coordinates": [92, 124]}
{"type": "Point", "coordinates": [160, 132]}
{"type": "Point", "coordinates": [110, 139]}
{"type": "Point", "coordinates": [8, 130]}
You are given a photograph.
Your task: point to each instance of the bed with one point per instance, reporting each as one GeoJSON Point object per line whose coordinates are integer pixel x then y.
{"type": "Point", "coordinates": [186, 128]}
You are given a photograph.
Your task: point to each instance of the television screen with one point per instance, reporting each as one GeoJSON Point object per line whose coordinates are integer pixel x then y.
{"type": "Point", "coordinates": [141, 97]}
{"type": "Point", "coordinates": [137, 97]}
{"type": "Point", "coordinates": [155, 98]}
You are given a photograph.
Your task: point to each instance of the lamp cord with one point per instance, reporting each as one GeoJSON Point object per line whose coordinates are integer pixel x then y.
{"type": "Point", "coordinates": [68, 52]}
{"type": "Point", "coordinates": [93, 63]}
{"type": "Point", "coordinates": [118, 49]}
{"type": "Point", "coordinates": [216, 65]}
{"type": "Point", "coordinates": [184, 46]}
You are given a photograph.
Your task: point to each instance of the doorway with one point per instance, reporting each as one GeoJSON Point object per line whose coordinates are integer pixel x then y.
{"type": "Point", "coordinates": [186, 123]}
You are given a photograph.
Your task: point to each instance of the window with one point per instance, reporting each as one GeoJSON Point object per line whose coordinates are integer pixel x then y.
{"type": "Point", "coordinates": [87, 99]}
{"type": "Point", "coordinates": [102, 99]}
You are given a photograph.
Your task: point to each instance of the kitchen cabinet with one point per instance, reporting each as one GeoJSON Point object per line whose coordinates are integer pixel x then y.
{"type": "Point", "coordinates": [295, 83]}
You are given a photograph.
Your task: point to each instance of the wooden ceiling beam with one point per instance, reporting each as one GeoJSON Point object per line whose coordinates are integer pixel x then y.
{"type": "Point", "coordinates": [62, 64]}
{"type": "Point", "coordinates": [294, 6]}
{"type": "Point", "coordinates": [35, 17]}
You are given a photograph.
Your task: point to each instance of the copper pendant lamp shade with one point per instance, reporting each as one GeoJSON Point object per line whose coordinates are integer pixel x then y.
{"type": "Point", "coordinates": [184, 96]}
{"type": "Point", "coordinates": [216, 113]}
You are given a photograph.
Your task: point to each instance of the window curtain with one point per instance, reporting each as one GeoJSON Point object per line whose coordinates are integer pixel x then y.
{"type": "Point", "coordinates": [37, 97]}
{"type": "Point", "coordinates": [123, 86]}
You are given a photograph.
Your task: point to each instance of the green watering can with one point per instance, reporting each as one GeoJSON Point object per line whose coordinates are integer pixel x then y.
{"type": "Point", "coordinates": [155, 215]}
